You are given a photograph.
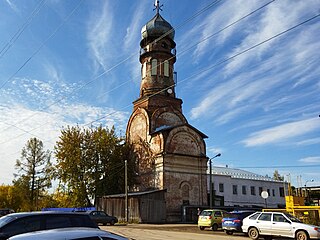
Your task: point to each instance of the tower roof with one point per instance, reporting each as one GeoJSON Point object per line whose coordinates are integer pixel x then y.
{"type": "Point", "coordinates": [157, 27]}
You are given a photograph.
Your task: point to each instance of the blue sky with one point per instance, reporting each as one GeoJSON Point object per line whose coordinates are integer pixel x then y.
{"type": "Point", "coordinates": [77, 62]}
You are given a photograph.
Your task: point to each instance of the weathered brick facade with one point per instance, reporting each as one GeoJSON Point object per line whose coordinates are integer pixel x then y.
{"type": "Point", "coordinates": [171, 153]}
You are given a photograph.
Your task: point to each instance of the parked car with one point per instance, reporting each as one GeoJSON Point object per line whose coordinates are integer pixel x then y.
{"type": "Point", "coordinates": [278, 224]}
{"type": "Point", "coordinates": [17, 223]}
{"type": "Point", "coordinates": [102, 217]}
{"type": "Point", "coordinates": [210, 218]}
{"type": "Point", "coordinates": [68, 234]}
{"type": "Point", "coordinates": [232, 221]}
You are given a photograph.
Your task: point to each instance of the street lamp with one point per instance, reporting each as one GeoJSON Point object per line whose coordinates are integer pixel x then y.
{"type": "Point", "coordinates": [305, 188]}
{"type": "Point", "coordinates": [210, 188]}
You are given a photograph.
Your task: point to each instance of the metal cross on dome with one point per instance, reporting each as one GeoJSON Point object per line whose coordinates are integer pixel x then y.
{"type": "Point", "coordinates": [157, 6]}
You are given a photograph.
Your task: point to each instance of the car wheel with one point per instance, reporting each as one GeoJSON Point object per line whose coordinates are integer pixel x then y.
{"type": "Point", "coordinates": [112, 222]}
{"type": "Point", "coordinates": [229, 232]}
{"type": "Point", "coordinates": [201, 228]}
{"type": "Point", "coordinates": [302, 235]}
{"type": "Point", "coordinates": [253, 233]}
{"type": "Point", "coordinates": [214, 227]}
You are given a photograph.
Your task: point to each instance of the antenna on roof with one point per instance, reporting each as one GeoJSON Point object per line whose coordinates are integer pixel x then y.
{"type": "Point", "coordinates": [157, 6]}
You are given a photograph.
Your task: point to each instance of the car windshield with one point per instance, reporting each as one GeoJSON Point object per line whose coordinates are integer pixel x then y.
{"type": "Point", "coordinates": [292, 218]}
{"type": "Point", "coordinates": [4, 220]}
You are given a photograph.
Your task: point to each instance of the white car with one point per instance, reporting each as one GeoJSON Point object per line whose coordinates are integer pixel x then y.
{"type": "Point", "coordinates": [74, 233]}
{"type": "Point", "coordinates": [278, 224]}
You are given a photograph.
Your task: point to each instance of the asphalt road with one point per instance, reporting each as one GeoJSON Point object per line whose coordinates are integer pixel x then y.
{"type": "Point", "coordinates": [169, 231]}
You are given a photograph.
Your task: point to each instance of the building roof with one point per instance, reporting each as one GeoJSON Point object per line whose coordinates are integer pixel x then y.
{"type": "Point", "coordinates": [239, 173]}
{"type": "Point", "coordinates": [134, 194]}
{"type": "Point", "coordinates": [169, 128]}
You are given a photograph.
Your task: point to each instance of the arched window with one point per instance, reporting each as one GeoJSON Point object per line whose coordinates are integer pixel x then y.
{"type": "Point", "coordinates": [166, 68]}
{"type": "Point", "coordinates": [185, 192]}
{"type": "Point", "coordinates": [185, 189]}
{"type": "Point", "coordinates": [154, 64]}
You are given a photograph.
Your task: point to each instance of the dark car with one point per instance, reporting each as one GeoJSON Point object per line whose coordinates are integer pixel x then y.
{"type": "Point", "coordinates": [232, 221]}
{"type": "Point", "coordinates": [102, 217]}
{"type": "Point", "coordinates": [17, 223]}
{"type": "Point", "coordinates": [69, 234]}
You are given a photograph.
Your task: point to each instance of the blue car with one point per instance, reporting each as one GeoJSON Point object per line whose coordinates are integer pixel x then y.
{"type": "Point", "coordinates": [232, 221]}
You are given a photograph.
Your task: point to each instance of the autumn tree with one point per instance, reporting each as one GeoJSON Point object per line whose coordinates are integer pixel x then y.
{"type": "Point", "coordinates": [34, 172]}
{"type": "Point", "coordinates": [6, 198]}
{"type": "Point", "coordinates": [90, 163]}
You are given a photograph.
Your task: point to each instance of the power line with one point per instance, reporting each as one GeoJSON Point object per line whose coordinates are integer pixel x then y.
{"type": "Point", "coordinates": [214, 65]}
{"type": "Point", "coordinates": [227, 59]}
{"type": "Point", "coordinates": [15, 37]}
{"type": "Point", "coordinates": [221, 62]}
{"type": "Point", "coordinates": [42, 45]}
{"type": "Point", "coordinates": [110, 69]}
{"type": "Point", "coordinates": [202, 40]}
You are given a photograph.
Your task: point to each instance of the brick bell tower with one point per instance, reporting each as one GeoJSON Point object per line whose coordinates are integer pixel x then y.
{"type": "Point", "coordinates": [171, 153]}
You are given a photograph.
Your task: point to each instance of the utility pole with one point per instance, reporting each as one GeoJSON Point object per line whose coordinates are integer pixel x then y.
{"type": "Point", "coordinates": [126, 189]}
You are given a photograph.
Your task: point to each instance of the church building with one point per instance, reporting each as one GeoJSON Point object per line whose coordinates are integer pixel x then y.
{"type": "Point", "coordinates": [171, 153]}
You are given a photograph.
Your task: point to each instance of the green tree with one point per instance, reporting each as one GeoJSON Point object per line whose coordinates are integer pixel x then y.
{"type": "Point", "coordinates": [277, 176]}
{"type": "Point", "coordinates": [34, 172]}
{"type": "Point", "coordinates": [90, 163]}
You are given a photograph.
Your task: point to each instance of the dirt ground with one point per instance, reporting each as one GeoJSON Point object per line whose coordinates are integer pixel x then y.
{"type": "Point", "coordinates": [169, 231]}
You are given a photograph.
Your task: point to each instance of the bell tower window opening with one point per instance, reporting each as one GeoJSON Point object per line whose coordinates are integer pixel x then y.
{"type": "Point", "coordinates": [166, 68]}
{"type": "Point", "coordinates": [144, 70]}
{"type": "Point", "coordinates": [154, 64]}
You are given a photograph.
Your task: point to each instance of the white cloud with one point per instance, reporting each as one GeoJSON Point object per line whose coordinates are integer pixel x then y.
{"type": "Point", "coordinates": [46, 126]}
{"type": "Point", "coordinates": [310, 160]}
{"type": "Point", "coordinates": [21, 119]}
{"type": "Point", "coordinates": [309, 141]}
{"type": "Point", "coordinates": [218, 20]}
{"type": "Point", "coordinates": [132, 37]}
{"type": "Point", "coordinates": [260, 86]}
{"type": "Point", "coordinates": [276, 19]}
{"type": "Point", "coordinates": [12, 6]}
{"type": "Point", "coordinates": [134, 29]}
{"type": "Point", "coordinates": [212, 151]}
{"type": "Point", "coordinates": [100, 36]}
{"type": "Point", "coordinates": [282, 132]}
{"type": "Point", "coordinates": [14, 135]}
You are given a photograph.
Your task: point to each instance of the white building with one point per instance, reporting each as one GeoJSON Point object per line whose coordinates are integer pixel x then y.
{"type": "Point", "coordinates": [239, 188]}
